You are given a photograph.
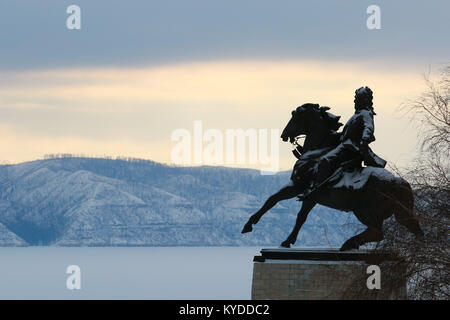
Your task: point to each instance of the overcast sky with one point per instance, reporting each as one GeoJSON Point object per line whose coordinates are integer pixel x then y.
{"type": "Point", "coordinates": [138, 70]}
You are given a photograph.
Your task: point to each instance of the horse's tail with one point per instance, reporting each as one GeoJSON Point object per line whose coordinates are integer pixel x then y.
{"type": "Point", "coordinates": [404, 207]}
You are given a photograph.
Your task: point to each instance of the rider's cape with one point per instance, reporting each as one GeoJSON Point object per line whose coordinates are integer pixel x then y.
{"type": "Point", "coordinates": [371, 159]}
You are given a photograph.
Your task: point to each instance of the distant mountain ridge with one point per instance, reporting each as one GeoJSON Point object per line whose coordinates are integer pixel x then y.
{"type": "Point", "coordinates": [76, 201]}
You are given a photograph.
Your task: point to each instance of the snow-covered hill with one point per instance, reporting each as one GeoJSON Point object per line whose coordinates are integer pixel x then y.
{"type": "Point", "coordinates": [102, 202]}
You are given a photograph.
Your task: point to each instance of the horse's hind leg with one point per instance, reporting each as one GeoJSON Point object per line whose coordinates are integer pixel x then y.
{"type": "Point", "coordinates": [409, 220]}
{"type": "Point", "coordinates": [404, 210]}
{"type": "Point", "coordinates": [287, 192]}
{"type": "Point", "coordinates": [371, 234]}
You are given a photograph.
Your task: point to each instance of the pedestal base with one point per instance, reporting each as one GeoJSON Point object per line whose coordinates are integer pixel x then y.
{"type": "Point", "coordinates": [317, 274]}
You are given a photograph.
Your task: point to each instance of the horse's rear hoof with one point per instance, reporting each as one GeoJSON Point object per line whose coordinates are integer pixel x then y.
{"type": "Point", "coordinates": [420, 236]}
{"type": "Point", "coordinates": [420, 239]}
{"type": "Point", "coordinates": [286, 244]}
{"type": "Point", "coordinates": [247, 228]}
{"type": "Point", "coordinates": [348, 245]}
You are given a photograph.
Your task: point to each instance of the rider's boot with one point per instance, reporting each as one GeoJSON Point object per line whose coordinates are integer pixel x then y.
{"type": "Point", "coordinates": [321, 176]}
{"type": "Point", "coordinates": [308, 192]}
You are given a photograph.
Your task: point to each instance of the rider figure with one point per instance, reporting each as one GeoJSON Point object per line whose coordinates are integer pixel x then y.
{"type": "Point", "coordinates": [355, 139]}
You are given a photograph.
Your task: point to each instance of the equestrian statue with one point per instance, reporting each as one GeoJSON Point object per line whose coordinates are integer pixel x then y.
{"type": "Point", "coordinates": [329, 171]}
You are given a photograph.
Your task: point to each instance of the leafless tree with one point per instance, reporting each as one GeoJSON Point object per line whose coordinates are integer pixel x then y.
{"type": "Point", "coordinates": [428, 263]}
{"type": "Point", "coordinates": [424, 264]}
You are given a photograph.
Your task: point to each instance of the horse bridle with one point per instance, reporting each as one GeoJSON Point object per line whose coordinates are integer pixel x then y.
{"type": "Point", "coordinates": [298, 146]}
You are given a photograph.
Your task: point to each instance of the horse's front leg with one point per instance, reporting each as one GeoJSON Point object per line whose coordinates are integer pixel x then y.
{"type": "Point", "coordinates": [307, 206]}
{"type": "Point", "coordinates": [287, 192]}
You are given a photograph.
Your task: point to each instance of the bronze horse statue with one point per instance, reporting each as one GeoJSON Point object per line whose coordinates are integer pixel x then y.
{"type": "Point", "coordinates": [379, 196]}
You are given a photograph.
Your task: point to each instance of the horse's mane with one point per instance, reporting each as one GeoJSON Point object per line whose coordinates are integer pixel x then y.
{"type": "Point", "coordinates": [331, 119]}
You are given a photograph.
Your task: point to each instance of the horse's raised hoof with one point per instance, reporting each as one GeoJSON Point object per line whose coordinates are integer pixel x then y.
{"type": "Point", "coordinates": [349, 245]}
{"type": "Point", "coordinates": [247, 228]}
{"type": "Point", "coordinates": [286, 244]}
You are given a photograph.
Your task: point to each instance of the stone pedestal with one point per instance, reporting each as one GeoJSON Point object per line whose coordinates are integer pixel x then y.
{"type": "Point", "coordinates": [304, 274]}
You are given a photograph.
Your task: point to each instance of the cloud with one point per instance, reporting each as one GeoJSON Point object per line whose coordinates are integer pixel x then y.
{"type": "Point", "coordinates": [133, 111]}
{"type": "Point", "coordinates": [115, 33]}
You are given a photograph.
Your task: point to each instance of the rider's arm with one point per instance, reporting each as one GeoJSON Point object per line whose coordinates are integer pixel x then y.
{"type": "Point", "coordinates": [368, 126]}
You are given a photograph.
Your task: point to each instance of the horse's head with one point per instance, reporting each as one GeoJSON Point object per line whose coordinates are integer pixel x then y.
{"type": "Point", "coordinates": [307, 116]}
{"type": "Point", "coordinates": [299, 122]}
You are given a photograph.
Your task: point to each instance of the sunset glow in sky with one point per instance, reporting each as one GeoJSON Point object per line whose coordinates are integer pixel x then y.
{"type": "Point", "coordinates": [122, 91]}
